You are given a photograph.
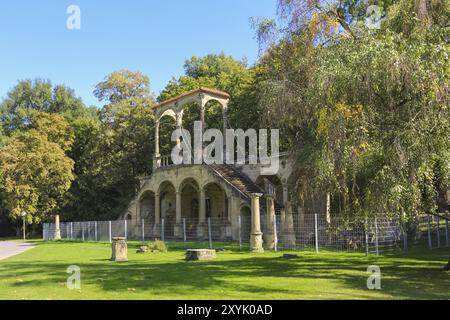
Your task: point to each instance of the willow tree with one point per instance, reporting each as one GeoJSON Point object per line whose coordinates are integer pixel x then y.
{"type": "Point", "coordinates": [366, 110]}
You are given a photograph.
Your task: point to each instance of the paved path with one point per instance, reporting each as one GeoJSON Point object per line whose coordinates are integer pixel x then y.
{"type": "Point", "coordinates": [9, 249]}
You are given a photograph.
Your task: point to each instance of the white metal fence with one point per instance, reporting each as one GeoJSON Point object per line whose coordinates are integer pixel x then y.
{"type": "Point", "coordinates": [299, 232]}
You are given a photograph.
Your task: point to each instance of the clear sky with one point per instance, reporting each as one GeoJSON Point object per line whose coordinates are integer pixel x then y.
{"type": "Point", "coordinates": [154, 37]}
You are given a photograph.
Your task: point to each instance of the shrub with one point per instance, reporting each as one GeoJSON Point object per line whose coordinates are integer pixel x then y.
{"type": "Point", "coordinates": [158, 246]}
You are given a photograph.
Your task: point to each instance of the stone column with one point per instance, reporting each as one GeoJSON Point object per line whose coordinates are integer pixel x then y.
{"type": "Point", "coordinates": [157, 156]}
{"type": "Point", "coordinates": [57, 228]}
{"type": "Point", "coordinates": [269, 238]}
{"type": "Point", "coordinates": [285, 194]}
{"type": "Point", "coordinates": [157, 226]}
{"type": "Point", "coordinates": [256, 240]}
{"type": "Point", "coordinates": [201, 227]}
{"type": "Point", "coordinates": [178, 230]}
{"type": "Point", "coordinates": [289, 232]}
{"type": "Point", "coordinates": [119, 249]}
{"type": "Point", "coordinates": [328, 208]}
{"type": "Point", "coordinates": [224, 119]}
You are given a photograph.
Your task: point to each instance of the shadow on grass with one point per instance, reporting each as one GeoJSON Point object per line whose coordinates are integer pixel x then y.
{"type": "Point", "coordinates": [416, 274]}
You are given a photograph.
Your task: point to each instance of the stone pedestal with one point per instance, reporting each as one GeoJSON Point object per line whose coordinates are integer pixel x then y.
{"type": "Point", "coordinates": [119, 249]}
{"type": "Point", "coordinates": [256, 241]}
{"type": "Point", "coordinates": [289, 239]}
{"type": "Point", "coordinates": [57, 235]}
{"type": "Point", "coordinates": [200, 254]}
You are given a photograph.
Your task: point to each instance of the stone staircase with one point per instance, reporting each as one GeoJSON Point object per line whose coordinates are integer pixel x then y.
{"type": "Point", "coordinates": [241, 182]}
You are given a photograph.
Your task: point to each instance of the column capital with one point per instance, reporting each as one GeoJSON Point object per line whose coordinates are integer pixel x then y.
{"type": "Point", "coordinates": [256, 195]}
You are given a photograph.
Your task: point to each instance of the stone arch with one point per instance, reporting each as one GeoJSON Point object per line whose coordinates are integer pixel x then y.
{"type": "Point", "coordinates": [167, 194]}
{"type": "Point", "coordinates": [216, 201]}
{"type": "Point", "coordinates": [146, 205]}
{"type": "Point", "coordinates": [190, 197]}
{"type": "Point", "coordinates": [245, 213]}
{"type": "Point", "coordinates": [167, 123]}
{"type": "Point", "coordinates": [215, 111]}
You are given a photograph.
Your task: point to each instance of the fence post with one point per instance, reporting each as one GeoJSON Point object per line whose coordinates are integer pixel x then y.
{"type": "Point", "coordinates": [209, 232]}
{"type": "Point", "coordinates": [143, 230]}
{"type": "Point", "coordinates": [125, 225]}
{"type": "Point", "coordinates": [366, 235]}
{"type": "Point", "coordinates": [446, 232]}
{"type": "Point", "coordinates": [184, 229]}
{"type": "Point", "coordinates": [430, 245]}
{"type": "Point", "coordinates": [89, 231]}
{"type": "Point", "coordinates": [316, 233]}
{"type": "Point", "coordinates": [275, 238]}
{"type": "Point", "coordinates": [96, 231]}
{"type": "Point", "coordinates": [240, 232]}
{"type": "Point", "coordinates": [110, 231]}
{"type": "Point", "coordinates": [71, 230]}
{"type": "Point", "coordinates": [376, 237]}
{"type": "Point", "coordinates": [162, 229]}
{"type": "Point", "coordinates": [43, 231]}
{"type": "Point", "coordinates": [82, 231]}
{"type": "Point", "coordinates": [438, 233]}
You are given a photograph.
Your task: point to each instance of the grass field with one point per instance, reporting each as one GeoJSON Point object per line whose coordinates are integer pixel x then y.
{"type": "Point", "coordinates": [41, 274]}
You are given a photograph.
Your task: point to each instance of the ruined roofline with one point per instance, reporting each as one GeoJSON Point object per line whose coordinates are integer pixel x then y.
{"type": "Point", "coordinates": [214, 92]}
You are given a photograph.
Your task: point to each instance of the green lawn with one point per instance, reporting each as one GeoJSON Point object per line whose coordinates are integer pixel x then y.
{"type": "Point", "coordinates": [41, 274]}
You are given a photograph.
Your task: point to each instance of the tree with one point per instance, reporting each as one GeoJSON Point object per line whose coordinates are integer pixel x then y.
{"type": "Point", "coordinates": [115, 151]}
{"type": "Point", "coordinates": [367, 114]}
{"type": "Point", "coordinates": [36, 170]}
{"type": "Point", "coordinates": [28, 98]}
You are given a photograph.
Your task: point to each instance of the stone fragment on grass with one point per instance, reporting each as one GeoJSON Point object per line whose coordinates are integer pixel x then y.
{"type": "Point", "coordinates": [200, 254]}
{"type": "Point", "coordinates": [119, 250]}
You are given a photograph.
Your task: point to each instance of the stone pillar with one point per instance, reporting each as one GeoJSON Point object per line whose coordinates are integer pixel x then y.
{"type": "Point", "coordinates": [328, 208]}
{"type": "Point", "coordinates": [285, 194]}
{"type": "Point", "coordinates": [119, 249]}
{"type": "Point", "coordinates": [178, 229]}
{"type": "Point", "coordinates": [157, 226]}
{"type": "Point", "coordinates": [256, 240]}
{"type": "Point", "coordinates": [289, 232]}
{"type": "Point", "coordinates": [224, 119]}
{"type": "Point", "coordinates": [157, 156]}
{"type": "Point", "coordinates": [57, 228]}
{"type": "Point", "coordinates": [201, 227]}
{"type": "Point", "coordinates": [269, 238]}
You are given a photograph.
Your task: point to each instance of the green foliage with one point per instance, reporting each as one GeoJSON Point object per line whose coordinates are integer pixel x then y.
{"type": "Point", "coordinates": [28, 98]}
{"type": "Point", "coordinates": [115, 151]}
{"type": "Point", "coordinates": [36, 171]}
{"type": "Point", "coordinates": [368, 114]}
{"type": "Point", "coordinates": [158, 246]}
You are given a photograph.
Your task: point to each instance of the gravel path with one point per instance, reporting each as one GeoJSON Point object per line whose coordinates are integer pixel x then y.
{"type": "Point", "coordinates": [9, 249]}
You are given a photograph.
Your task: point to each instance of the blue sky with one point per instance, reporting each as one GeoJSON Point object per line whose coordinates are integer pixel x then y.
{"type": "Point", "coordinates": [154, 37]}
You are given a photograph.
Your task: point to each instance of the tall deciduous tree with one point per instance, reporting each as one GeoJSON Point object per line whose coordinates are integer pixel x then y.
{"type": "Point", "coordinates": [367, 113]}
{"type": "Point", "coordinates": [36, 170]}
